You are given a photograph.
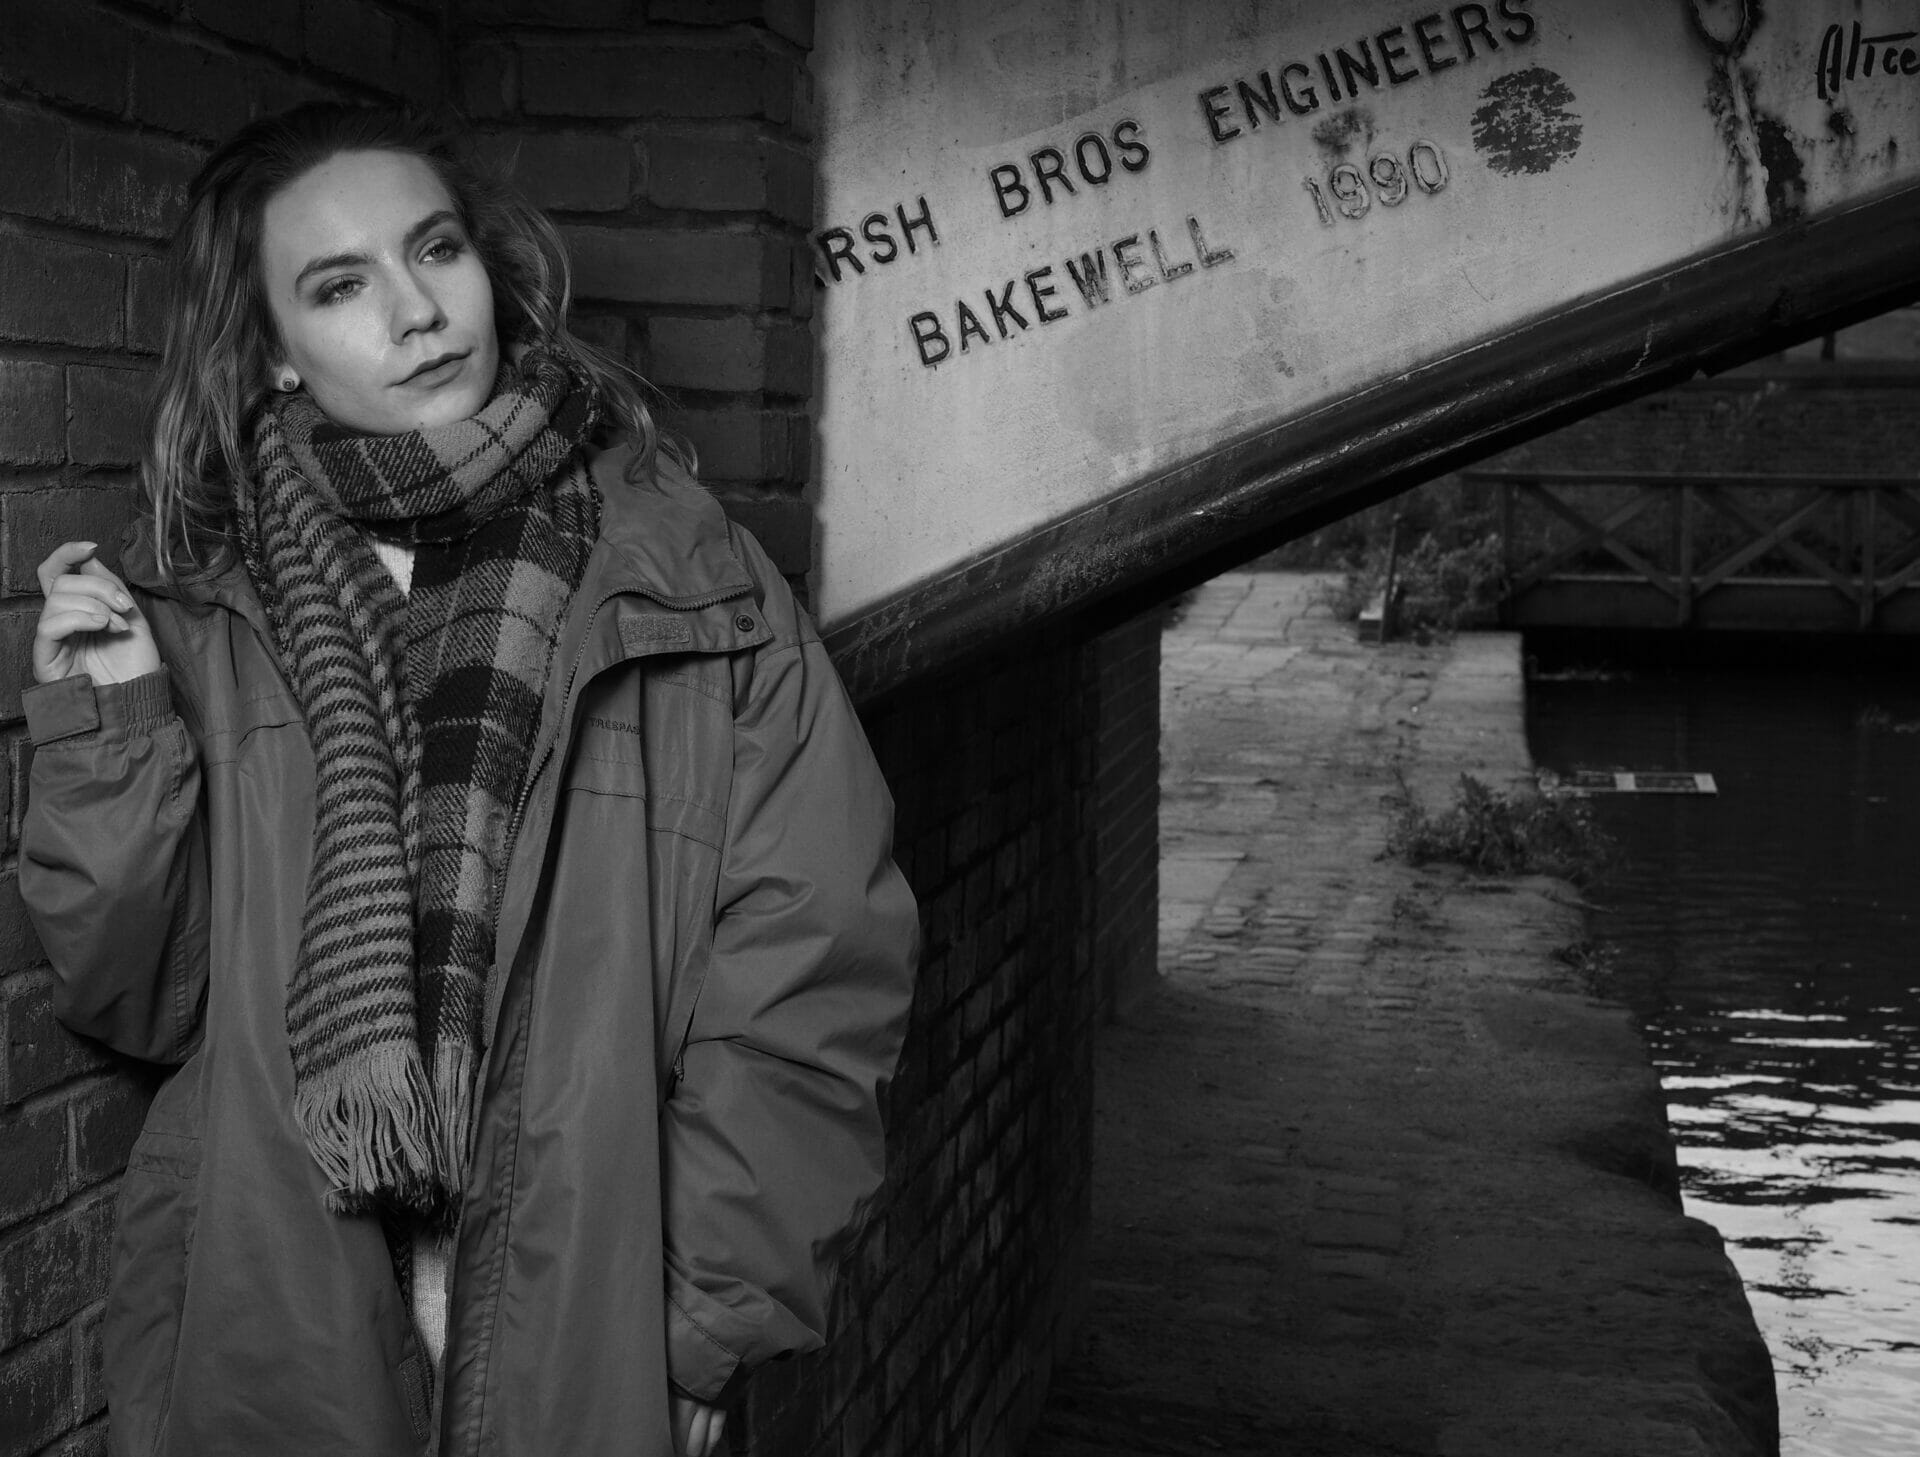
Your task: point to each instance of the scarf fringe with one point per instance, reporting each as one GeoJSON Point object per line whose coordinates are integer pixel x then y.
{"type": "Point", "coordinates": [372, 1126]}
{"type": "Point", "coordinates": [455, 1067]}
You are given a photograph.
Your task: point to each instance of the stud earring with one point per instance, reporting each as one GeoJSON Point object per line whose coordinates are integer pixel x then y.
{"type": "Point", "coordinates": [289, 381]}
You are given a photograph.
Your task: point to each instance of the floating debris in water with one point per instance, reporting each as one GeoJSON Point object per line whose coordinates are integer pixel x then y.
{"type": "Point", "coordinates": [1631, 781]}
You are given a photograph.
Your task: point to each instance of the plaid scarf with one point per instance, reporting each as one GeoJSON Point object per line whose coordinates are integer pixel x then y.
{"type": "Point", "coordinates": [421, 711]}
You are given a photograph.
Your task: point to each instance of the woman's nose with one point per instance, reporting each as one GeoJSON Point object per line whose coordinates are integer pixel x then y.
{"type": "Point", "coordinates": [415, 309]}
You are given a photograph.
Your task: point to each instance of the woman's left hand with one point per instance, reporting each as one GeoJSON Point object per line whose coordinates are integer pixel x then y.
{"type": "Point", "coordinates": [696, 1427]}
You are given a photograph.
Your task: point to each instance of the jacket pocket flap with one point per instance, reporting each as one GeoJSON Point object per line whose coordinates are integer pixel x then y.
{"type": "Point", "coordinates": [177, 1155]}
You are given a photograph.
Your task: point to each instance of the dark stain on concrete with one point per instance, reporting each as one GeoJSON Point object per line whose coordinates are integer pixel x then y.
{"type": "Point", "coordinates": [1525, 122]}
{"type": "Point", "coordinates": [1786, 177]}
{"type": "Point", "coordinates": [1339, 131]}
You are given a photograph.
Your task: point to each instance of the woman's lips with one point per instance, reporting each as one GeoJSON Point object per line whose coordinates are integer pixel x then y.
{"type": "Point", "coordinates": [445, 371]}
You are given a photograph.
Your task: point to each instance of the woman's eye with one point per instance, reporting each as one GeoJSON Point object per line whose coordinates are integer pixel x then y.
{"type": "Point", "coordinates": [336, 290]}
{"type": "Point", "coordinates": [440, 250]}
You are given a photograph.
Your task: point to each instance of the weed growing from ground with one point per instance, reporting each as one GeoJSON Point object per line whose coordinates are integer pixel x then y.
{"type": "Point", "coordinates": [1439, 588]}
{"type": "Point", "coordinates": [1521, 832]}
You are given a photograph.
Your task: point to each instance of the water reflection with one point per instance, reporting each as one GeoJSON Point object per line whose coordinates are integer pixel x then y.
{"type": "Point", "coordinates": [1766, 936]}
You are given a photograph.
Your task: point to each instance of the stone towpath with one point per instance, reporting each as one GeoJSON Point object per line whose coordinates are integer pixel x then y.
{"type": "Point", "coordinates": [1374, 1173]}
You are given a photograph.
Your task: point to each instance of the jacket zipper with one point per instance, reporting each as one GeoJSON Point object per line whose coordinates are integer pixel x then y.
{"type": "Point", "coordinates": [521, 800]}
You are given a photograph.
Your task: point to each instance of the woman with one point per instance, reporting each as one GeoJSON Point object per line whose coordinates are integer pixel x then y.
{"type": "Point", "coordinates": [466, 809]}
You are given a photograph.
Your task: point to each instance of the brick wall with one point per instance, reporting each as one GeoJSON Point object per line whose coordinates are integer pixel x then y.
{"type": "Point", "coordinates": [674, 153]}
{"type": "Point", "coordinates": [105, 111]}
{"type": "Point", "coordinates": [1125, 827]}
{"type": "Point", "coordinates": [1812, 420]}
{"type": "Point", "coordinates": [974, 1264]}
{"type": "Point", "coordinates": [670, 141]}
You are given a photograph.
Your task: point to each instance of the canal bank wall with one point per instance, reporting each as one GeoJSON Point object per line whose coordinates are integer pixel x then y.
{"type": "Point", "coordinates": [1375, 1171]}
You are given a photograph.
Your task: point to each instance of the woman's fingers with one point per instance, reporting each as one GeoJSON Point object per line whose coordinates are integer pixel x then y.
{"type": "Point", "coordinates": [697, 1427]}
{"type": "Point", "coordinates": [105, 590]}
{"type": "Point", "coordinates": [96, 570]}
{"type": "Point", "coordinates": [63, 559]}
{"type": "Point", "coordinates": [89, 622]}
{"type": "Point", "coordinates": [102, 601]}
{"type": "Point", "coordinates": [56, 627]}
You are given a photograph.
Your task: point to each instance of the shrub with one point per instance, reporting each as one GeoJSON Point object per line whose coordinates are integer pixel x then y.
{"type": "Point", "coordinates": [1440, 588]}
{"type": "Point", "coordinates": [1491, 833]}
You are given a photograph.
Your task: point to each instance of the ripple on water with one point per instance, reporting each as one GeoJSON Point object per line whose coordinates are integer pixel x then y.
{"type": "Point", "coordinates": [1768, 938]}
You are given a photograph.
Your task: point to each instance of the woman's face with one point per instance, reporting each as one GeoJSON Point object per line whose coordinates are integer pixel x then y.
{"type": "Point", "coordinates": [384, 309]}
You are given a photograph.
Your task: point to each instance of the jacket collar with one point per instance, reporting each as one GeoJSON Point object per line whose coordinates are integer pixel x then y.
{"type": "Point", "coordinates": [664, 538]}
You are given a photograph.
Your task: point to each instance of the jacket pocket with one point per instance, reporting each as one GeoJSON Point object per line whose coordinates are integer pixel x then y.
{"type": "Point", "coordinates": [141, 1332]}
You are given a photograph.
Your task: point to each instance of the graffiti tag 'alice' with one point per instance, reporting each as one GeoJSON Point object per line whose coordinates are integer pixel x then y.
{"type": "Point", "coordinates": [1846, 56]}
{"type": "Point", "coordinates": [1140, 262]}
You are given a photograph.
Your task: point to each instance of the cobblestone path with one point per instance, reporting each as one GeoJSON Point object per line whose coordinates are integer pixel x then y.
{"type": "Point", "coordinates": [1373, 1174]}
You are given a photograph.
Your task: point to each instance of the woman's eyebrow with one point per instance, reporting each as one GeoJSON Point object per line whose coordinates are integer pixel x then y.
{"type": "Point", "coordinates": [349, 260]}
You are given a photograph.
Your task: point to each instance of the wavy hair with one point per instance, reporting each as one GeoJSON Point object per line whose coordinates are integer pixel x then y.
{"type": "Point", "coordinates": [221, 341]}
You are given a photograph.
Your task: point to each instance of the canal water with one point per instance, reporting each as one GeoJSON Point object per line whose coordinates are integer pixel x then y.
{"type": "Point", "coordinates": [1769, 936]}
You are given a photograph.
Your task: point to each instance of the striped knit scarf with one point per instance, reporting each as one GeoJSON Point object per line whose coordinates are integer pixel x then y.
{"type": "Point", "coordinates": [421, 711]}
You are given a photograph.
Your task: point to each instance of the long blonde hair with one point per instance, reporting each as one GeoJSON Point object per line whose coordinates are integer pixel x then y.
{"type": "Point", "coordinates": [220, 337]}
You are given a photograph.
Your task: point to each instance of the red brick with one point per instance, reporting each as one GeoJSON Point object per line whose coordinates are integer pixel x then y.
{"type": "Point", "coordinates": [34, 180]}
{"type": "Point", "coordinates": [738, 442]}
{"type": "Point", "coordinates": [560, 14]}
{"type": "Point", "coordinates": [16, 656]}
{"type": "Point", "coordinates": [675, 266]}
{"type": "Point", "coordinates": [391, 50]}
{"type": "Point", "coordinates": [31, 413]}
{"type": "Point", "coordinates": [791, 19]}
{"type": "Point", "coordinates": [60, 293]}
{"type": "Point", "coordinates": [88, 1441]}
{"type": "Point", "coordinates": [89, 1370]}
{"type": "Point", "coordinates": [732, 174]}
{"type": "Point", "coordinates": [40, 1053]}
{"type": "Point", "coordinates": [107, 411]}
{"type": "Point", "coordinates": [782, 523]}
{"type": "Point", "coordinates": [487, 80]}
{"type": "Point", "coordinates": [33, 1163]}
{"type": "Point", "coordinates": [19, 757]}
{"type": "Point", "coordinates": [707, 354]}
{"type": "Point", "coordinates": [127, 183]}
{"type": "Point", "coordinates": [106, 1121]}
{"type": "Point", "coordinates": [14, 774]}
{"type": "Point", "coordinates": [37, 521]}
{"type": "Point", "coordinates": [66, 51]}
{"type": "Point", "coordinates": [644, 80]}
{"type": "Point", "coordinates": [36, 1393]}
{"type": "Point", "coordinates": [146, 305]}
{"type": "Point", "coordinates": [569, 171]}
{"type": "Point", "coordinates": [182, 87]}
{"type": "Point", "coordinates": [19, 947]}
{"type": "Point", "coordinates": [54, 1268]}
{"type": "Point", "coordinates": [274, 24]}
{"type": "Point", "coordinates": [608, 333]}
{"type": "Point", "coordinates": [804, 287]}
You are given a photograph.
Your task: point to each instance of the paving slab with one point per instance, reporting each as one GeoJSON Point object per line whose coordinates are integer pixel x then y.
{"type": "Point", "coordinates": [1375, 1172]}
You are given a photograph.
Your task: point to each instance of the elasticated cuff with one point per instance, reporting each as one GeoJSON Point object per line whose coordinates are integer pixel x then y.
{"type": "Point", "coordinates": [70, 707]}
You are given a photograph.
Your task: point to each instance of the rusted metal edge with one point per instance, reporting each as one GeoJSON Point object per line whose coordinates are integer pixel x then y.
{"type": "Point", "coordinates": [1182, 526]}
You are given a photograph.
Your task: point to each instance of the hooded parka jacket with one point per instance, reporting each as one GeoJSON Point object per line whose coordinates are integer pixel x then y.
{"type": "Point", "coordinates": [703, 965]}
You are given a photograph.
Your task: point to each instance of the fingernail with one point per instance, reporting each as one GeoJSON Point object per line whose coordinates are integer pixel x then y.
{"type": "Point", "coordinates": [122, 600]}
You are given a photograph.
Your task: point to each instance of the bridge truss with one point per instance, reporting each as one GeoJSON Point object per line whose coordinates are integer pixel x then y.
{"type": "Point", "coordinates": [1755, 552]}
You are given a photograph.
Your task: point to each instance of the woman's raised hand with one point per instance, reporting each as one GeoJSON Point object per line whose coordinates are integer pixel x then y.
{"type": "Point", "coordinates": [89, 623]}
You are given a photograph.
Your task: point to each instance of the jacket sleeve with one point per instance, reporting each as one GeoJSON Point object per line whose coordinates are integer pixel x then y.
{"type": "Point", "coordinates": [112, 863]}
{"type": "Point", "coordinates": [771, 1140]}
